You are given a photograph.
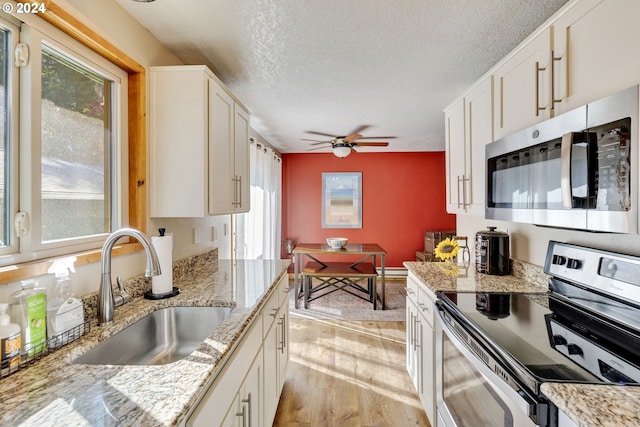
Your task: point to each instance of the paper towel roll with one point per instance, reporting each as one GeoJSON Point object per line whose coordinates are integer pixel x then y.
{"type": "Point", "coordinates": [163, 284]}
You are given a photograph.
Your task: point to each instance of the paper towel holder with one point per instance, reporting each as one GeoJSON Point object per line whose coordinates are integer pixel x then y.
{"type": "Point", "coordinates": [152, 296]}
{"type": "Point", "coordinates": [175, 291]}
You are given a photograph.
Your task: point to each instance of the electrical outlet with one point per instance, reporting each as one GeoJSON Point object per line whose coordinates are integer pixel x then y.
{"type": "Point", "coordinates": [196, 235]}
{"type": "Point", "coordinates": [214, 233]}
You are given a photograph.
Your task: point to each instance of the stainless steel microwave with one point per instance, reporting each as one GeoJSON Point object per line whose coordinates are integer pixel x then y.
{"type": "Point", "coordinates": [578, 170]}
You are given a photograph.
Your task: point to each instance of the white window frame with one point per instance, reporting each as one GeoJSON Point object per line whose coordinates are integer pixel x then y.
{"type": "Point", "coordinates": [13, 103]}
{"type": "Point", "coordinates": [34, 33]}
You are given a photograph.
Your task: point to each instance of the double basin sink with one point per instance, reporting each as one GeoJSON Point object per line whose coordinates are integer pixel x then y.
{"type": "Point", "coordinates": [163, 336]}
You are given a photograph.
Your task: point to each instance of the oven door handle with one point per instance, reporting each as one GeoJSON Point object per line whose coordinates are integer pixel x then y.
{"type": "Point", "coordinates": [520, 397]}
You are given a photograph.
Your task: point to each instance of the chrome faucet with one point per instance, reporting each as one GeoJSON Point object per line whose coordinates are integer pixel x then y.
{"type": "Point", "coordinates": [106, 300]}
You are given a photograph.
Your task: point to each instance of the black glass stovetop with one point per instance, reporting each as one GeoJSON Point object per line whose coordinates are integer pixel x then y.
{"type": "Point", "coordinates": [518, 324]}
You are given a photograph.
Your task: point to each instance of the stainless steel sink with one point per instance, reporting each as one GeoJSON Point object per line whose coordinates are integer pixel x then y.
{"type": "Point", "coordinates": [161, 337]}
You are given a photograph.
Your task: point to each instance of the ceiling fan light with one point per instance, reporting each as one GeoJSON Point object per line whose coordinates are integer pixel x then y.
{"type": "Point", "coordinates": [341, 152]}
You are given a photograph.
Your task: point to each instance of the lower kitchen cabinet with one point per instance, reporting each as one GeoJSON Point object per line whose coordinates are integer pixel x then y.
{"type": "Point", "coordinates": [276, 352]}
{"type": "Point", "coordinates": [246, 410]}
{"type": "Point", "coordinates": [247, 390]}
{"type": "Point", "coordinates": [420, 343]}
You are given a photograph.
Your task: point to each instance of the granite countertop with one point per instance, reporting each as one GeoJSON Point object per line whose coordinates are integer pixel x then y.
{"type": "Point", "coordinates": [596, 405]}
{"type": "Point", "coordinates": [53, 391]}
{"type": "Point", "coordinates": [440, 276]}
{"type": "Point", "coordinates": [587, 405]}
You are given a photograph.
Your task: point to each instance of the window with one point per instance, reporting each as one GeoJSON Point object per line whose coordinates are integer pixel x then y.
{"type": "Point", "coordinates": [71, 147]}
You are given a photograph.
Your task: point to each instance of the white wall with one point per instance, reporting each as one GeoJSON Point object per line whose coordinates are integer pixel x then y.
{"type": "Point", "coordinates": [109, 20]}
{"type": "Point", "coordinates": [529, 242]}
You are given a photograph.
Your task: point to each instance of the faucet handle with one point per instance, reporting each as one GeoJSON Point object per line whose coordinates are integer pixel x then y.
{"type": "Point", "coordinates": [124, 297]}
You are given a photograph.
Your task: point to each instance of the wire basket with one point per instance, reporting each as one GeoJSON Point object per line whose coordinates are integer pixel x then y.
{"type": "Point", "coordinates": [36, 352]}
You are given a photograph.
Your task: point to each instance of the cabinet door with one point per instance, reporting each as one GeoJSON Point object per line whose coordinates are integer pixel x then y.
{"type": "Point", "coordinates": [522, 87]}
{"type": "Point", "coordinates": [178, 135]}
{"type": "Point", "coordinates": [271, 381]}
{"type": "Point", "coordinates": [479, 132]}
{"type": "Point", "coordinates": [283, 344]}
{"type": "Point", "coordinates": [427, 361]}
{"type": "Point", "coordinates": [221, 116]}
{"type": "Point", "coordinates": [241, 160]}
{"type": "Point", "coordinates": [455, 157]}
{"type": "Point", "coordinates": [594, 44]}
{"type": "Point", "coordinates": [413, 342]}
{"type": "Point", "coordinates": [251, 396]}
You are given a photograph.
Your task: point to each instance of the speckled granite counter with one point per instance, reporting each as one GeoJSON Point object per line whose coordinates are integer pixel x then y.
{"type": "Point", "coordinates": [587, 405]}
{"type": "Point", "coordinates": [439, 276]}
{"type": "Point", "coordinates": [55, 392]}
{"type": "Point", "coordinates": [596, 405]}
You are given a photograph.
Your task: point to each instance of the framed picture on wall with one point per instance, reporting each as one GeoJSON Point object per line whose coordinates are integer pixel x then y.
{"type": "Point", "coordinates": [342, 200]}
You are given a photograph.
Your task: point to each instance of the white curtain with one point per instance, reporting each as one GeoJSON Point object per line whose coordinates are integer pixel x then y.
{"type": "Point", "coordinates": [258, 231]}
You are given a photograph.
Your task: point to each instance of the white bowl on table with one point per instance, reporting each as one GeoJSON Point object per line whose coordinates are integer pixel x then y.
{"type": "Point", "coordinates": [337, 242]}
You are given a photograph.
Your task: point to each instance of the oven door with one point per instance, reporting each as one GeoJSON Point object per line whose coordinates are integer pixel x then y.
{"type": "Point", "coordinates": [468, 392]}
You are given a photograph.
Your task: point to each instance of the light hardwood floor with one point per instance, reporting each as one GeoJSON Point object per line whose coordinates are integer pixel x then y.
{"type": "Point", "coordinates": [348, 374]}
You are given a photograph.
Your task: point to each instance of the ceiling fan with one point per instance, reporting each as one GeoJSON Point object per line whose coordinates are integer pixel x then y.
{"type": "Point", "coordinates": [342, 146]}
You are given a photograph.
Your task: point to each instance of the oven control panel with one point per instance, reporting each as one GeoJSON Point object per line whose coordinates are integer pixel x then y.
{"type": "Point", "coordinates": [590, 356]}
{"type": "Point", "coordinates": [609, 272]}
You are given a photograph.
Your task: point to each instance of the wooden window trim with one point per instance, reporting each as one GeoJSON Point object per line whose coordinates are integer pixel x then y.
{"type": "Point", "coordinates": [57, 16]}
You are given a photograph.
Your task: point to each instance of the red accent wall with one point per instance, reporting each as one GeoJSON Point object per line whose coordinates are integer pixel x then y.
{"type": "Point", "coordinates": [403, 194]}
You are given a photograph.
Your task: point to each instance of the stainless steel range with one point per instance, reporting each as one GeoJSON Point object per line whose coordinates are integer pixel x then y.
{"type": "Point", "coordinates": [494, 351]}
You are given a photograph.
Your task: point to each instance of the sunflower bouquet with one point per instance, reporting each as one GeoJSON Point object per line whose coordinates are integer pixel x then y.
{"type": "Point", "coordinates": [447, 249]}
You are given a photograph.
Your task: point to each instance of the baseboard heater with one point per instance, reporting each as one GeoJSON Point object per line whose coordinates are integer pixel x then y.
{"type": "Point", "coordinates": [395, 272]}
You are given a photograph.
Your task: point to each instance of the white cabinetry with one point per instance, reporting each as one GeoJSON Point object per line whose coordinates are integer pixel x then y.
{"type": "Point", "coordinates": [224, 398]}
{"type": "Point", "coordinates": [199, 136]}
{"type": "Point", "coordinates": [469, 128]}
{"type": "Point", "coordinates": [420, 343]}
{"type": "Point", "coordinates": [593, 45]}
{"type": "Point", "coordinates": [522, 86]}
{"type": "Point", "coordinates": [247, 390]}
{"type": "Point", "coordinates": [276, 348]}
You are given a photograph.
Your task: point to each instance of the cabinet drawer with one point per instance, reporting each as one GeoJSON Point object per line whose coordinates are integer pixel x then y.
{"type": "Point", "coordinates": [412, 288]}
{"type": "Point", "coordinates": [426, 299]}
{"type": "Point", "coordinates": [270, 313]}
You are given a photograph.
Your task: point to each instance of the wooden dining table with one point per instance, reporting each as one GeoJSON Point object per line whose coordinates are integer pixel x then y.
{"type": "Point", "coordinates": [371, 252]}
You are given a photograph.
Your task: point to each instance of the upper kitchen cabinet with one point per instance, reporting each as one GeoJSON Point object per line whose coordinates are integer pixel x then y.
{"type": "Point", "coordinates": [522, 86]}
{"type": "Point", "coordinates": [593, 45]}
{"type": "Point", "coordinates": [469, 127]}
{"type": "Point", "coordinates": [199, 145]}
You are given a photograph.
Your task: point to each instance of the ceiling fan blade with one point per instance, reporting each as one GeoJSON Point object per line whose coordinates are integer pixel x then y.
{"type": "Point", "coordinates": [371, 144]}
{"type": "Point", "coordinates": [317, 142]}
{"type": "Point", "coordinates": [352, 137]}
{"type": "Point", "coordinates": [320, 133]}
{"type": "Point", "coordinates": [378, 137]}
{"type": "Point", "coordinates": [361, 128]}
{"type": "Point", "coordinates": [317, 148]}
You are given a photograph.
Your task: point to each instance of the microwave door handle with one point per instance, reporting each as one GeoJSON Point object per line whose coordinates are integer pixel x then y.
{"type": "Point", "coordinates": [565, 171]}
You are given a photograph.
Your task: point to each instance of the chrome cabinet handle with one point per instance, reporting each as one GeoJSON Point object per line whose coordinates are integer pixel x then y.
{"type": "Point", "coordinates": [538, 107]}
{"type": "Point", "coordinates": [463, 179]}
{"type": "Point", "coordinates": [554, 100]}
{"type": "Point", "coordinates": [243, 413]}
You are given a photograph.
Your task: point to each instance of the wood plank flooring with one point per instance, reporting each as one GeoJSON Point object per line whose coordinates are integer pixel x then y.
{"type": "Point", "coordinates": [345, 373]}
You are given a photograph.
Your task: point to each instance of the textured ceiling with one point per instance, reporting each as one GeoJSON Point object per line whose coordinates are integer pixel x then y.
{"type": "Point", "coordinates": [332, 66]}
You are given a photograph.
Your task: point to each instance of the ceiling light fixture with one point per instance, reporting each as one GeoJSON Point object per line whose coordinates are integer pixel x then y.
{"type": "Point", "coordinates": [341, 151]}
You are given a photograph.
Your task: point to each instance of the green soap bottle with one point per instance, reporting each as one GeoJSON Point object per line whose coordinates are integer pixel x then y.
{"type": "Point", "coordinates": [28, 308]}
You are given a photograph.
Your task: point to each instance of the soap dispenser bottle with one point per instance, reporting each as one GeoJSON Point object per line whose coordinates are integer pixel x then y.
{"type": "Point", "coordinates": [28, 308]}
{"type": "Point", "coordinates": [9, 342]}
{"type": "Point", "coordinates": [65, 314]}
